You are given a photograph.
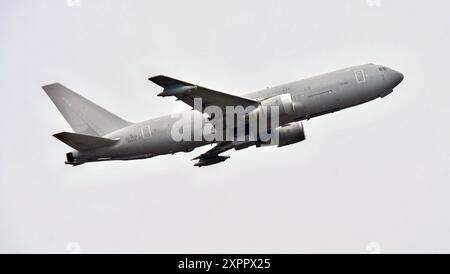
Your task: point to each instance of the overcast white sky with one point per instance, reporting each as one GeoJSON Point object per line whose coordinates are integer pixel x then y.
{"type": "Point", "coordinates": [374, 173]}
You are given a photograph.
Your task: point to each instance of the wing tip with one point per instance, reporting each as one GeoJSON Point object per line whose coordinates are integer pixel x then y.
{"type": "Point", "coordinates": [166, 81]}
{"type": "Point", "coordinates": [50, 87]}
{"type": "Point", "coordinates": [157, 79]}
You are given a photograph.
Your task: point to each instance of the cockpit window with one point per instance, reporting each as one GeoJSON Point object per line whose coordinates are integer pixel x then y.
{"type": "Point", "coordinates": [382, 68]}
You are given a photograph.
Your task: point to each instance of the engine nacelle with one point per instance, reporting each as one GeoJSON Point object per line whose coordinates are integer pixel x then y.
{"type": "Point", "coordinates": [286, 135]}
{"type": "Point", "coordinates": [283, 102]}
{"type": "Point", "coordinates": [284, 108]}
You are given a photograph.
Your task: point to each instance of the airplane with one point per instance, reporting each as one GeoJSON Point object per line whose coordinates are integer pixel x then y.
{"type": "Point", "coordinates": [100, 135]}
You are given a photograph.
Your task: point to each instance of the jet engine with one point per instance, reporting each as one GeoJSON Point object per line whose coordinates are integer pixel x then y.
{"type": "Point", "coordinates": [283, 102]}
{"type": "Point", "coordinates": [286, 135]}
{"type": "Point", "coordinates": [284, 108]}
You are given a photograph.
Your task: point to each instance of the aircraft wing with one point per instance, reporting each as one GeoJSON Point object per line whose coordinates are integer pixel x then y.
{"type": "Point", "coordinates": [186, 92]}
{"type": "Point", "coordinates": [212, 157]}
{"type": "Point", "coordinates": [219, 148]}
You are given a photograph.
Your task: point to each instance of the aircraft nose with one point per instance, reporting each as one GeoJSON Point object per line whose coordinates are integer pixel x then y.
{"type": "Point", "coordinates": [396, 77]}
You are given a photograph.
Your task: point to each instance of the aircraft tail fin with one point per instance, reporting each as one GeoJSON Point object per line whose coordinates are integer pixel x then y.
{"type": "Point", "coordinates": [82, 142]}
{"type": "Point", "coordinates": [84, 116]}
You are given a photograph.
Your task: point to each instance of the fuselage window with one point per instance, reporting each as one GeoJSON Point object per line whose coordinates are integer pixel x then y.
{"type": "Point", "coordinates": [360, 78]}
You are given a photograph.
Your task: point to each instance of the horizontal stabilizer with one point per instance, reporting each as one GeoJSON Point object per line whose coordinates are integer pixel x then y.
{"type": "Point", "coordinates": [84, 142]}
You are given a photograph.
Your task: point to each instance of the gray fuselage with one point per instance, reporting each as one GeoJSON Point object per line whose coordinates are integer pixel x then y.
{"type": "Point", "coordinates": [312, 97]}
